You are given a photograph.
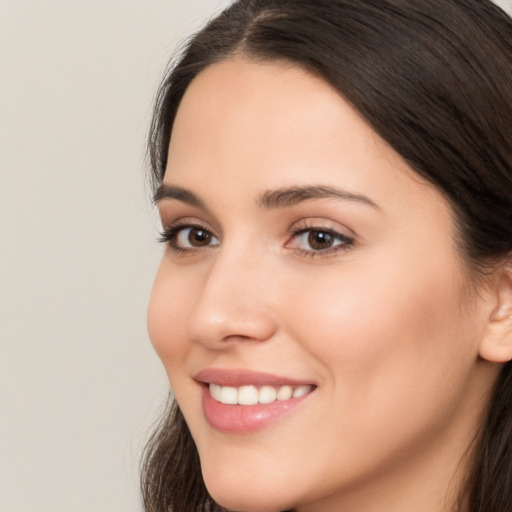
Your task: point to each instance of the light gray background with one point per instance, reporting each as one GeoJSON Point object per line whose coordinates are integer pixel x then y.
{"type": "Point", "coordinates": [79, 383]}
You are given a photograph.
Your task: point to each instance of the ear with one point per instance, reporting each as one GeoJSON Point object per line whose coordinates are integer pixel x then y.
{"type": "Point", "coordinates": [496, 343]}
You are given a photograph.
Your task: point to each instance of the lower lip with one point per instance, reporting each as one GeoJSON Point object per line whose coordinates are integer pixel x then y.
{"type": "Point", "coordinates": [245, 418]}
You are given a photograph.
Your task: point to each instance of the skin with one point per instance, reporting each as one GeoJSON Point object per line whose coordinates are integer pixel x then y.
{"type": "Point", "coordinates": [388, 328]}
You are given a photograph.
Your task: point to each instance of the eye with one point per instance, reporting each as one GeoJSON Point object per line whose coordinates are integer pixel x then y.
{"type": "Point", "coordinates": [189, 237]}
{"type": "Point", "coordinates": [194, 237]}
{"type": "Point", "coordinates": [319, 240]}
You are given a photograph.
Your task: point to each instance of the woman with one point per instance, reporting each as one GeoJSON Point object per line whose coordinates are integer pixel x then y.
{"type": "Point", "coordinates": [334, 304]}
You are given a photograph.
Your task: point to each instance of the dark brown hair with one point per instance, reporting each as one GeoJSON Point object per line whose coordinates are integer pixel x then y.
{"type": "Point", "coordinates": [434, 79]}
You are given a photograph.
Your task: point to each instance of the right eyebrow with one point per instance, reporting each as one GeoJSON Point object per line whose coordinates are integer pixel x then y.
{"type": "Point", "coordinates": [180, 194]}
{"type": "Point", "coordinates": [285, 197]}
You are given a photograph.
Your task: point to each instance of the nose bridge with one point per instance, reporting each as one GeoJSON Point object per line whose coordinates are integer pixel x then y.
{"type": "Point", "coordinates": [233, 303]}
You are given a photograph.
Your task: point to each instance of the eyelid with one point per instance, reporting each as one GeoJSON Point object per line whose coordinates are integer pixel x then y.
{"type": "Point", "coordinates": [321, 224]}
{"type": "Point", "coordinates": [169, 222]}
{"type": "Point", "coordinates": [172, 212]}
{"type": "Point", "coordinates": [345, 241]}
{"type": "Point", "coordinates": [171, 230]}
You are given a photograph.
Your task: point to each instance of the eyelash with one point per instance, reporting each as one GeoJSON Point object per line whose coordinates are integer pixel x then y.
{"type": "Point", "coordinates": [169, 235]}
{"type": "Point", "coordinates": [346, 241]}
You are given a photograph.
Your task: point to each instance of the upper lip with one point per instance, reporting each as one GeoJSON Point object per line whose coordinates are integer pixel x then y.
{"type": "Point", "coordinates": [243, 377]}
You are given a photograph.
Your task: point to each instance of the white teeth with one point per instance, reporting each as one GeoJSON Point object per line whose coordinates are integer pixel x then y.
{"type": "Point", "coordinates": [247, 395]}
{"type": "Point", "coordinates": [301, 391]}
{"type": "Point", "coordinates": [267, 395]}
{"type": "Point", "coordinates": [215, 390]}
{"type": "Point", "coordinates": [285, 393]}
{"type": "Point", "coordinates": [228, 395]}
{"type": "Point", "coordinates": [251, 395]}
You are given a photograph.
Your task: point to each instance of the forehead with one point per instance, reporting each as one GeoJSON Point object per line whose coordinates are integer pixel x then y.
{"type": "Point", "coordinates": [273, 125]}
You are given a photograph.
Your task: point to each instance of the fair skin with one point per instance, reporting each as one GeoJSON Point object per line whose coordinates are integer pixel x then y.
{"type": "Point", "coordinates": [362, 295]}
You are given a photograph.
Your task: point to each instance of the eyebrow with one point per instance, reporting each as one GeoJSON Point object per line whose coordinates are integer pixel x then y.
{"type": "Point", "coordinates": [180, 194]}
{"type": "Point", "coordinates": [271, 199]}
{"type": "Point", "coordinates": [285, 197]}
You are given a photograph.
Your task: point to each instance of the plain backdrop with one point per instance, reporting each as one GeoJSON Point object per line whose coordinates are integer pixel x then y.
{"type": "Point", "coordinates": [79, 383]}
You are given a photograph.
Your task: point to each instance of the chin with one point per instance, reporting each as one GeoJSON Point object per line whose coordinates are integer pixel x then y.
{"type": "Point", "coordinates": [235, 495]}
{"type": "Point", "coordinates": [242, 503]}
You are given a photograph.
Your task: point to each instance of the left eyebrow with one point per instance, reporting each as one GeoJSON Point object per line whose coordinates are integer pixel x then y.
{"type": "Point", "coordinates": [286, 197]}
{"type": "Point", "coordinates": [180, 194]}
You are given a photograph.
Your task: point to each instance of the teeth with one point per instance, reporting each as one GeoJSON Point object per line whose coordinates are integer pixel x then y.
{"type": "Point", "coordinates": [285, 393]}
{"type": "Point", "coordinates": [251, 395]}
{"type": "Point", "coordinates": [215, 391]}
{"type": "Point", "coordinates": [267, 395]}
{"type": "Point", "coordinates": [228, 395]}
{"type": "Point", "coordinates": [247, 395]}
{"type": "Point", "coordinates": [301, 391]}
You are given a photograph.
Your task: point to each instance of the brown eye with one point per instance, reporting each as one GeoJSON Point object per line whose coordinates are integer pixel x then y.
{"type": "Point", "coordinates": [198, 237]}
{"type": "Point", "coordinates": [319, 240]}
{"type": "Point", "coordinates": [193, 237]}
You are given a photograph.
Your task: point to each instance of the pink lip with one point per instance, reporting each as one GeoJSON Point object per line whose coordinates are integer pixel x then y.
{"type": "Point", "coordinates": [240, 377]}
{"type": "Point", "coordinates": [242, 419]}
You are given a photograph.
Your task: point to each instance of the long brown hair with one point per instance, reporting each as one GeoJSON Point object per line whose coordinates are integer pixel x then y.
{"type": "Point", "coordinates": [434, 79]}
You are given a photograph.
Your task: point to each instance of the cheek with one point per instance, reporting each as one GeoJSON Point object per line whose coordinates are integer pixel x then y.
{"type": "Point", "coordinates": [394, 359]}
{"type": "Point", "coordinates": [388, 338]}
{"type": "Point", "coordinates": [168, 308]}
{"type": "Point", "coordinates": [357, 317]}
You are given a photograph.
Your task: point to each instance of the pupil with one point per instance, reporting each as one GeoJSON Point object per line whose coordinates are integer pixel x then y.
{"type": "Point", "coordinates": [320, 240]}
{"type": "Point", "coordinates": [199, 237]}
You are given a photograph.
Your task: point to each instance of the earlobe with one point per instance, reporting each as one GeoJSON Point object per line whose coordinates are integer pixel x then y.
{"type": "Point", "coordinates": [496, 344]}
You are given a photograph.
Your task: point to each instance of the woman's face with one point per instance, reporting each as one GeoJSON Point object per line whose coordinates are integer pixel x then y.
{"type": "Point", "coordinates": [305, 258]}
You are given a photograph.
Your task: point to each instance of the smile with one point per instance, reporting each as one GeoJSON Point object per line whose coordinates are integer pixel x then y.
{"type": "Point", "coordinates": [237, 401]}
{"type": "Point", "coordinates": [252, 395]}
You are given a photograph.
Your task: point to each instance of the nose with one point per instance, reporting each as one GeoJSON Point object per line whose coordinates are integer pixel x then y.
{"type": "Point", "coordinates": [233, 305]}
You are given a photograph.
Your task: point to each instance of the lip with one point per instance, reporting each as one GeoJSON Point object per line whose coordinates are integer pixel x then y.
{"type": "Point", "coordinates": [242, 419]}
{"type": "Point", "coordinates": [241, 377]}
